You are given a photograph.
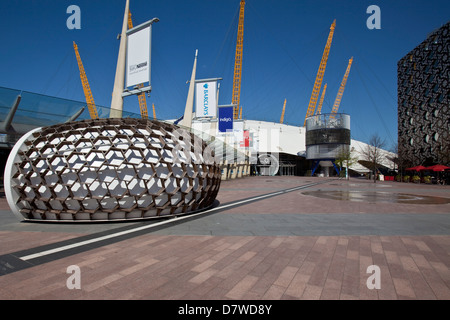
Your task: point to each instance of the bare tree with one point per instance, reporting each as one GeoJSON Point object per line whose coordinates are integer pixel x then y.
{"type": "Point", "coordinates": [395, 159]}
{"type": "Point", "coordinates": [374, 153]}
{"type": "Point", "coordinates": [345, 158]}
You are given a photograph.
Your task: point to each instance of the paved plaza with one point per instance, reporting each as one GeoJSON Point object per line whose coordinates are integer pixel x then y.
{"type": "Point", "coordinates": [277, 238]}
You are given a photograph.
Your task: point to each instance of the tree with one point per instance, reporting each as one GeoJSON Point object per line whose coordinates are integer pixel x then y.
{"type": "Point", "coordinates": [345, 158]}
{"type": "Point", "coordinates": [374, 153]}
{"type": "Point", "coordinates": [395, 159]}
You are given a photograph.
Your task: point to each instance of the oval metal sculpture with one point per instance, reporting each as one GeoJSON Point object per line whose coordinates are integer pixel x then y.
{"type": "Point", "coordinates": [109, 170]}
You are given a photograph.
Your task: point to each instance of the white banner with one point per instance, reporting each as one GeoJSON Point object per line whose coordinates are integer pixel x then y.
{"type": "Point", "coordinates": [138, 57]}
{"type": "Point", "coordinates": [206, 99]}
{"type": "Point", "coordinates": [238, 132]}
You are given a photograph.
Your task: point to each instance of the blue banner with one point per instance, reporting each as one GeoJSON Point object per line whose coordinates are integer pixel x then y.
{"type": "Point", "coordinates": [225, 119]}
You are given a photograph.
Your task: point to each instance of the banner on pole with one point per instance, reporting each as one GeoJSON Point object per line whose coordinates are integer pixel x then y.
{"type": "Point", "coordinates": [246, 141]}
{"type": "Point", "coordinates": [206, 99]}
{"type": "Point", "coordinates": [238, 133]}
{"type": "Point", "coordinates": [138, 57]}
{"type": "Point", "coordinates": [225, 119]}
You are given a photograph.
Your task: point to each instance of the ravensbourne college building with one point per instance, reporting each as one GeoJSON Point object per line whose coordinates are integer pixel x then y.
{"type": "Point", "coordinates": [423, 102]}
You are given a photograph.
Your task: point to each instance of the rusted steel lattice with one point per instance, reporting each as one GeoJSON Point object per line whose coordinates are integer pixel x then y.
{"type": "Point", "coordinates": [110, 169]}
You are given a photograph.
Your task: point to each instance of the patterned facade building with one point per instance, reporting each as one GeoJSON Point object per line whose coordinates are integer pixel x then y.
{"type": "Point", "coordinates": [423, 102]}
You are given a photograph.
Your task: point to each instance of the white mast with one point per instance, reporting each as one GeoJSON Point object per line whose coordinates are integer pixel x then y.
{"type": "Point", "coordinates": [187, 118]}
{"type": "Point", "coordinates": [117, 99]}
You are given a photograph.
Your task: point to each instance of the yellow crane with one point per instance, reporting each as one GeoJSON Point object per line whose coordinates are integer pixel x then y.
{"type": "Point", "coordinates": [154, 113]}
{"type": "Point", "coordinates": [86, 88]}
{"type": "Point", "coordinates": [320, 73]}
{"type": "Point", "coordinates": [282, 112]}
{"type": "Point", "coordinates": [141, 96]}
{"type": "Point", "coordinates": [319, 107]}
{"type": "Point", "coordinates": [238, 64]}
{"type": "Point", "coordinates": [337, 102]}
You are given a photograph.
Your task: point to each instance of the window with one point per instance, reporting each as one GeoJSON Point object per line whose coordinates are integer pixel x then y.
{"type": "Point", "coordinates": [436, 88]}
{"type": "Point", "coordinates": [431, 102]}
{"type": "Point", "coordinates": [435, 136]}
{"type": "Point", "coordinates": [422, 106]}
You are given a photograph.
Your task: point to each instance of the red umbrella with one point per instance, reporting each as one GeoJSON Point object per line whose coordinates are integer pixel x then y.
{"type": "Point", "coordinates": [438, 167]}
{"type": "Point", "coordinates": [418, 168]}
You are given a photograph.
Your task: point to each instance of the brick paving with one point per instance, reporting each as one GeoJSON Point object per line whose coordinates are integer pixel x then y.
{"type": "Point", "coordinates": [161, 265]}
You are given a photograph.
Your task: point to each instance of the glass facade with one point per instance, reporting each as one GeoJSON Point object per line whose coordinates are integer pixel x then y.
{"type": "Point", "coordinates": [327, 135]}
{"type": "Point", "coordinates": [37, 110]}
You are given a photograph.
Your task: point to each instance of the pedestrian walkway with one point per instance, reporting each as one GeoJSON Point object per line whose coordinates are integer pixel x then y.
{"type": "Point", "coordinates": [268, 238]}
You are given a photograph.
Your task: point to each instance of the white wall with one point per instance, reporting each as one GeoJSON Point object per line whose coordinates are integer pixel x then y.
{"type": "Point", "coordinates": [275, 137]}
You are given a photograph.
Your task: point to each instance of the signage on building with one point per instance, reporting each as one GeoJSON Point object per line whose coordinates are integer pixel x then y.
{"type": "Point", "coordinates": [238, 133]}
{"type": "Point", "coordinates": [138, 57]}
{"type": "Point", "coordinates": [225, 119]}
{"type": "Point", "coordinates": [206, 99]}
{"type": "Point", "coordinates": [246, 141]}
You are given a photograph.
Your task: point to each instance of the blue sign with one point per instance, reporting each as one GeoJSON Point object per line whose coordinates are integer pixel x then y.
{"type": "Point", "coordinates": [225, 119]}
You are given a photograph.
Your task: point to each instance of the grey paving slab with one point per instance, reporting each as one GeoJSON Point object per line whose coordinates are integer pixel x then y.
{"type": "Point", "coordinates": [291, 246]}
{"type": "Point", "coordinates": [9, 222]}
{"type": "Point", "coordinates": [315, 224]}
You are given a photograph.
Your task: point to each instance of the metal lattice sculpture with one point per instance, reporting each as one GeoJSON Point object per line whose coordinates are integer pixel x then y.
{"type": "Point", "coordinates": [109, 169]}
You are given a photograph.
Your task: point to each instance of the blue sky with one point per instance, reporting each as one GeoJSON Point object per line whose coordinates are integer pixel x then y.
{"type": "Point", "coordinates": [283, 46]}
